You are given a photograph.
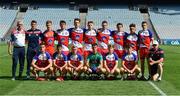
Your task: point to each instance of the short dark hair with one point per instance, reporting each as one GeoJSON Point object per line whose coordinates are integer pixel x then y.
{"type": "Point", "coordinates": [33, 21]}
{"type": "Point", "coordinates": [48, 21]}
{"type": "Point", "coordinates": [132, 25]}
{"type": "Point", "coordinates": [42, 43]}
{"type": "Point", "coordinates": [62, 21]}
{"type": "Point", "coordinates": [59, 45]}
{"type": "Point", "coordinates": [95, 44]}
{"type": "Point", "coordinates": [144, 22]}
{"type": "Point", "coordinates": [119, 24]}
{"type": "Point", "coordinates": [110, 46]}
{"type": "Point", "coordinates": [90, 22]}
{"type": "Point", "coordinates": [104, 22]}
{"type": "Point", "coordinates": [77, 19]}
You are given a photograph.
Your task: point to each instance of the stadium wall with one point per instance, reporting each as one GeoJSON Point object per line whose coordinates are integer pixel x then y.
{"type": "Point", "coordinates": [171, 41]}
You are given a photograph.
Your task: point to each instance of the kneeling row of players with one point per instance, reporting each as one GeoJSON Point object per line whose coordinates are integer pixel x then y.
{"type": "Point", "coordinates": [74, 64]}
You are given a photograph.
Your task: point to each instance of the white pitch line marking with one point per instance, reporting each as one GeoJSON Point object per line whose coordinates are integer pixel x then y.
{"type": "Point", "coordinates": [157, 88]}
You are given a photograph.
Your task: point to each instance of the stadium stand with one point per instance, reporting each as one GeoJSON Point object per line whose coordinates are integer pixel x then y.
{"type": "Point", "coordinates": [166, 22]}
{"type": "Point", "coordinates": [114, 15]}
{"type": "Point", "coordinates": [54, 13]}
{"type": "Point", "coordinates": [6, 19]}
{"type": "Point", "coordinates": [169, 9]}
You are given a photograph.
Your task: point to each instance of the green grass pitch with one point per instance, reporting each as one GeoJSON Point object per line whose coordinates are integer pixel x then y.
{"type": "Point", "coordinates": [170, 84]}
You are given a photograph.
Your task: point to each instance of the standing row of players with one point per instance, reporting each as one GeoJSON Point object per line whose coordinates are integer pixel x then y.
{"type": "Point", "coordinates": [82, 40]}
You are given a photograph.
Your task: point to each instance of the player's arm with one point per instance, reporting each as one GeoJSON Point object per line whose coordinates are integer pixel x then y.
{"type": "Point", "coordinates": [69, 63]}
{"type": "Point", "coordinates": [87, 61]}
{"type": "Point", "coordinates": [123, 65]}
{"type": "Point", "coordinates": [115, 67]}
{"type": "Point", "coordinates": [101, 62]}
{"type": "Point", "coordinates": [81, 62]}
{"type": "Point", "coordinates": [105, 65]}
{"type": "Point", "coordinates": [50, 64]}
{"type": "Point", "coordinates": [135, 67]}
{"type": "Point", "coordinates": [10, 44]}
{"type": "Point", "coordinates": [152, 62]}
{"type": "Point", "coordinates": [136, 64]}
{"type": "Point", "coordinates": [54, 63]}
{"type": "Point", "coordinates": [26, 37]}
{"type": "Point", "coordinates": [40, 37]}
{"type": "Point", "coordinates": [116, 63]}
{"type": "Point", "coordinates": [34, 64]}
{"type": "Point", "coordinates": [49, 61]}
{"type": "Point", "coordinates": [64, 65]}
{"type": "Point", "coordinates": [151, 35]}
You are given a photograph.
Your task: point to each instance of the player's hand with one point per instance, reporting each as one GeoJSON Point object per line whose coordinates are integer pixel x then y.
{"type": "Point", "coordinates": [43, 69]}
{"type": "Point", "coordinates": [108, 71]}
{"type": "Point", "coordinates": [112, 71]}
{"type": "Point", "coordinates": [61, 68]}
{"type": "Point", "coordinates": [10, 52]}
{"type": "Point", "coordinates": [38, 69]}
{"type": "Point", "coordinates": [131, 71]}
{"type": "Point", "coordinates": [151, 63]}
{"type": "Point", "coordinates": [77, 69]}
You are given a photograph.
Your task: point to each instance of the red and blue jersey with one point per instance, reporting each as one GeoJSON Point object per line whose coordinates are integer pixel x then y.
{"type": "Point", "coordinates": [60, 59]}
{"type": "Point", "coordinates": [75, 59]}
{"type": "Point", "coordinates": [49, 37]}
{"type": "Point", "coordinates": [130, 60]}
{"type": "Point", "coordinates": [62, 36]}
{"type": "Point", "coordinates": [111, 60]}
{"type": "Point", "coordinates": [77, 36]}
{"type": "Point", "coordinates": [145, 38]}
{"type": "Point", "coordinates": [89, 39]}
{"type": "Point", "coordinates": [119, 39]}
{"type": "Point", "coordinates": [103, 37]}
{"type": "Point", "coordinates": [42, 59]}
{"type": "Point", "coordinates": [33, 37]}
{"type": "Point", "coordinates": [132, 40]}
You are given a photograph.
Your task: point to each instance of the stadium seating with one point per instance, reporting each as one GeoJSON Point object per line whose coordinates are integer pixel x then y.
{"type": "Point", "coordinates": [166, 25]}
{"type": "Point", "coordinates": [114, 15]}
{"type": "Point", "coordinates": [169, 9]}
{"type": "Point", "coordinates": [7, 17]}
{"type": "Point", "coordinates": [55, 13]}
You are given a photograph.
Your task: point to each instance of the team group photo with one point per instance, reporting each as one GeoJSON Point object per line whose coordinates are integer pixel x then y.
{"type": "Point", "coordinates": [90, 51]}
{"type": "Point", "coordinates": [90, 47]}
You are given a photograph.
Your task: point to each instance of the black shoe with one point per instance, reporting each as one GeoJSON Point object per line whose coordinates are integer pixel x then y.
{"type": "Point", "coordinates": [149, 77]}
{"type": "Point", "coordinates": [142, 78]}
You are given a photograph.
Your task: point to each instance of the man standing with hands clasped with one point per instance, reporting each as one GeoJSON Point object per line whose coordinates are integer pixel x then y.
{"type": "Point", "coordinates": [18, 43]}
